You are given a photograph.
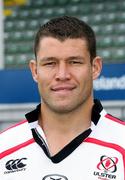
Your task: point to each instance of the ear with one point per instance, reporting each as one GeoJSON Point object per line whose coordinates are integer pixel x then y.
{"type": "Point", "coordinates": [33, 68]}
{"type": "Point", "coordinates": [97, 67]}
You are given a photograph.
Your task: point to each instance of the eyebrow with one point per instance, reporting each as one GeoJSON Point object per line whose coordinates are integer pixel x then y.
{"type": "Point", "coordinates": [44, 59]}
{"type": "Point", "coordinates": [75, 57]}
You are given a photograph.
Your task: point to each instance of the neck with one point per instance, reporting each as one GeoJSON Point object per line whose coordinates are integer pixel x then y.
{"type": "Point", "coordinates": [60, 129]}
{"type": "Point", "coordinates": [75, 121]}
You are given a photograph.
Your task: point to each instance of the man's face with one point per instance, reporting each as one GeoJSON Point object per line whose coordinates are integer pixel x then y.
{"type": "Point", "coordinates": [64, 73]}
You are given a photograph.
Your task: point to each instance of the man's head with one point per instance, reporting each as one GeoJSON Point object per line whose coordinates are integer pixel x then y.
{"type": "Point", "coordinates": [65, 27]}
{"type": "Point", "coordinates": [66, 65]}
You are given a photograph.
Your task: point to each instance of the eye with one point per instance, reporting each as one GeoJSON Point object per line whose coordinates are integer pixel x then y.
{"type": "Point", "coordinates": [76, 62]}
{"type": "Point", "coordinates": [51, 63]}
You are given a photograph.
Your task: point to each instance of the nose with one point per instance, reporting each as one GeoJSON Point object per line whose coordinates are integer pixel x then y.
{"type": "Point", "coordinates": [63, 73]}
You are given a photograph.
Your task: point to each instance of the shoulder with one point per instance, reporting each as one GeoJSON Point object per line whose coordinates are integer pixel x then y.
{"type": "Point", "coordinates": [115, 126]}
{"type": "Point", "coordinates": [115, 120]}
{"type": "Point", "coordinates": [112, 125]}
{"type": "Point", "coordinates": [14, 129]}
{"type": "Point", "coordinates": [15, 136]}
{"type": "Point", "coordinates": [109, 129]}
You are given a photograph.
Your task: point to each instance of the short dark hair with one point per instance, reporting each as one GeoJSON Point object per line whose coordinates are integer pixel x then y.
{"type": "Point", "coordinates": [66, 27]}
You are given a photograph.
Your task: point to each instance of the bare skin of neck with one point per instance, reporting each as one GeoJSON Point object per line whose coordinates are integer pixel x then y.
{"type": "Point", "coordinates": [62, 129]}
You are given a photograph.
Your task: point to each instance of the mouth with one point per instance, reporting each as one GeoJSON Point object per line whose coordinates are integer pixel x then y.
{"type": "Point", "coordinates": [63, 89]}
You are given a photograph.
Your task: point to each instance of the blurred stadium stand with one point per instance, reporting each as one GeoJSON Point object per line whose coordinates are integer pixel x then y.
{"type": "Point", "coordinates": [106, 17]}
{"type": "Point", "coordinates": [23, 17]}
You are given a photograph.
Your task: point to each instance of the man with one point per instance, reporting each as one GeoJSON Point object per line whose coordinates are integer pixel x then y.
{"type": "Point", "coordinates": [69, 136]}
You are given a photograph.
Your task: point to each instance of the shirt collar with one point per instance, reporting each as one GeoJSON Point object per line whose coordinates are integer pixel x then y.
{"type": "Point", "coordinates": [95, 116]}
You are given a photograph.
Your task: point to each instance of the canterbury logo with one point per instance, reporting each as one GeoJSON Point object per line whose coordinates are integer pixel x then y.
{"type": "Point", "coordinates": [15, 164]}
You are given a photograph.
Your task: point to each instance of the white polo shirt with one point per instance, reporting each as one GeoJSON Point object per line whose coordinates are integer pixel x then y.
{"type": "Point", "coordinates": [97, 153]}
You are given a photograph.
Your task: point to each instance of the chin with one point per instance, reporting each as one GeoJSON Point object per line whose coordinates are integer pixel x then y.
{"type": "Point", "coordinates": [63, 109]}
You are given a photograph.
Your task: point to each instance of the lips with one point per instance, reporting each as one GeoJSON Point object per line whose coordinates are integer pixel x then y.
{"type": "Point", "coordinates": [63, 88]}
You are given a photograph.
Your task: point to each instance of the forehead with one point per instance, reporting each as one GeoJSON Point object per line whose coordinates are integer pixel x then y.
{"type": "Point", "coordinates": [53, 45]}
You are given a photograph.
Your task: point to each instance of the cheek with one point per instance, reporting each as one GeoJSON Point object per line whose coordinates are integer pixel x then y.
{"type": "Point", "coordinates": [42, 87]}
{"type": "Point", "coordinates": [43, 80]}
{"type": "Point", "coordinates": [85, 75]}
{"type": "Point", "coordinates": [86, 80]}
